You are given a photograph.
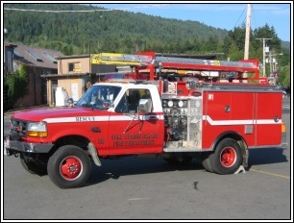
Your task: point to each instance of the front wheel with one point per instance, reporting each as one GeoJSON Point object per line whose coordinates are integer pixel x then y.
{"type": "Point", "coordinates": [69, 167]}
{"type": "Point", "coordinates": [227, 157]}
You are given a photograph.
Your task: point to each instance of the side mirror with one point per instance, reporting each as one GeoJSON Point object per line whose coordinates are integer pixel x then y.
{"type": "Point", "coordinates": [145, 106]}
{"type": "Point", "coordinates": [70, 101]}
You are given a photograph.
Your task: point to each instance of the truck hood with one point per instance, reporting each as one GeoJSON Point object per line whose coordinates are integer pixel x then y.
{"type": "Point", "coordinates": [40, 114]}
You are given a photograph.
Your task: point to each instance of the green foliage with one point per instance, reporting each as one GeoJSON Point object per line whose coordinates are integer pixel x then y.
{"type": "Point", "coordinates": [284, 76]}
{"type": "Point", "coordinates": [15, 87]}
{"type": "Point", "coordinates": [112, 31]}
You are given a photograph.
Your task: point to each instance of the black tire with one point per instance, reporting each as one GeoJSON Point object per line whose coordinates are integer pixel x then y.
{"type": "Point", "coordinates": [227, 157]}
{"type": "Point", "coordinates": [206, 161]}
{"type": "Point", "coordinates": [69, 167]}
{"type": "Point", "coordinates": [33, 167]}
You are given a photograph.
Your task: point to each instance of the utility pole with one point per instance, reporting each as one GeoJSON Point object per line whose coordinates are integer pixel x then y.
{"type": "Point", "coordinates": [247, 36]}
{"type": "Point", "coordinates": [271, 62]}
{"type": "Point", "coordinates": [263, 54]}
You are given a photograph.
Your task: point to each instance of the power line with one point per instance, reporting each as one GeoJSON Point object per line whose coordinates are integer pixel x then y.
{"type": "Point", "coordinates": [240, 18]}
{"type": "Point", "coordinates": [61, 11]}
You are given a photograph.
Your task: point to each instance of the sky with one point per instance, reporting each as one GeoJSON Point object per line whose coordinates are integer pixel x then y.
{"type": "Point", "coordinates": [223, 16]}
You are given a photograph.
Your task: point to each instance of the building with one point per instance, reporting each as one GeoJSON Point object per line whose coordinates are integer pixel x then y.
{"type": "Point", "coordinates": [75, 74]}
{"type": "Point", "coordinates": [39, 61]}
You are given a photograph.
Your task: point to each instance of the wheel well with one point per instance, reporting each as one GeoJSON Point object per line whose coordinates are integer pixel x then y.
{"type": "Point", "coordinates": [76, 140]}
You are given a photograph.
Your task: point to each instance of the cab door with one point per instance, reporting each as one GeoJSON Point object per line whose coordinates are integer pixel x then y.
{"type": "Point", "coordinates": [134, 133]}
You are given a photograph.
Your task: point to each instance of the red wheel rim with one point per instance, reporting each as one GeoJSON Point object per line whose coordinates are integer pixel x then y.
{"type": "Point", "coordinates": [71, 168]}
{"type": "Point", "coordinates": [228, 157]}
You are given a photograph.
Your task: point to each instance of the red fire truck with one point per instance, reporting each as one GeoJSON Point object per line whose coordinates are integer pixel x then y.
{"type": "Point", "coordinates": [177, 117]}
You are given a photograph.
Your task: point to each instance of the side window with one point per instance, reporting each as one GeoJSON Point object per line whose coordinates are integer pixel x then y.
{"type": "Point", "coordinates": [145, 94]}
{"type": "Point", "coordinates": [122, 106]}
{"type": "Point", "coordinates": [133, 99]}
{"type": "Point", "coordinates": [130, 101]}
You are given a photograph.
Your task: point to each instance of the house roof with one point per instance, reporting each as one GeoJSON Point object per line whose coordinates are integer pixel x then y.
{"type": "Point", "coordinates": [75, 56]}
{"type": "Point", "coordinates": [36, 56]}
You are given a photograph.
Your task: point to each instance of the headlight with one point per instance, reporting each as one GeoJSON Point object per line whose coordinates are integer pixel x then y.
{"type": "Point", "coordinates": [37, 129]}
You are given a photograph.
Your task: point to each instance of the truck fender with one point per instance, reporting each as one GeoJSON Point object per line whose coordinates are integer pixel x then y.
{"type": "Point", "coordinates": [240, 140]}
{"type": "Point", "coordinates": [93, 152]}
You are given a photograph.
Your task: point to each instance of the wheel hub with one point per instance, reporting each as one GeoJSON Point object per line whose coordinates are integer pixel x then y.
{"type": "Point", "coordinates": [71, 168]}
{"type": "Point", "coordinates": [228, 157]}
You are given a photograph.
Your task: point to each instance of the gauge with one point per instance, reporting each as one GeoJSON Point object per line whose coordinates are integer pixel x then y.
{"type": "Point", "coordinates": [180, 104]}
{"type": "Point", "coordinates": [170, 104]}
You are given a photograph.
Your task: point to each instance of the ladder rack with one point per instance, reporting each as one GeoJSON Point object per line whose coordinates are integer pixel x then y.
{"type": "Point", "coordinates": [205, 62]}
{"type": "Point", "coordinates": [120, 59]}
{"type": "Point", "coordinates": [172, 62]}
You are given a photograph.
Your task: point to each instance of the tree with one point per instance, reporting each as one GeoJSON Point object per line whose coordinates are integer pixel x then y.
{"type": "Point", "coordinates": [284, 76]}
{"type": "Point", "coordinates": [16, 86]}
{"type": "Point", "coordinates": [266, 32]}
{"type": "Point", "coordinates": [234, 53]}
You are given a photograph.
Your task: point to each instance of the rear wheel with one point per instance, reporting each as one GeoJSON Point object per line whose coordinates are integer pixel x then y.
{"type": "Point", "coordinates": [69, 167]}
{"type": "Point", "coordinates": [227, 157]}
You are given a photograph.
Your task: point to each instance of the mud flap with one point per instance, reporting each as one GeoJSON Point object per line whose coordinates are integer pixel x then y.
{"type": "Point", "coordinates": [93, 152]}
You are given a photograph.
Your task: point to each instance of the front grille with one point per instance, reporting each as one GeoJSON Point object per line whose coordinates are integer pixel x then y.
{"type": "Point", "coordinates": [19, 127]}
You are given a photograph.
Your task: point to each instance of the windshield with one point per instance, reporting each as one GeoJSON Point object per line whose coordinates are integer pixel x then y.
{"type": "Point", "coordinates": [99, 96]}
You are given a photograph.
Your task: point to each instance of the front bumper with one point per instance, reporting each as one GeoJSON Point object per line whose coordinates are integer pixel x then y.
{"type": "Point", "coordinates": [16, 146]}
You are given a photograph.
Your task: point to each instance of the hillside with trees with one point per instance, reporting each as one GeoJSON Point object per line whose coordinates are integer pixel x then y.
{"type": "Point", "coordinates": [86, 30]}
